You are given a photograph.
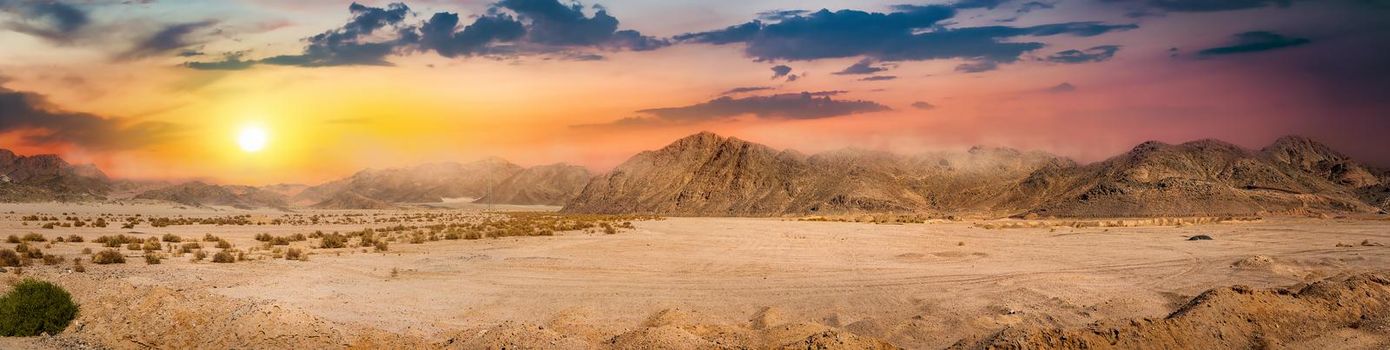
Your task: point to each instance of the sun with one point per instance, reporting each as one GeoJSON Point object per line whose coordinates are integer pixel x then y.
{"type": "Point", "coordinates": [253, 139]}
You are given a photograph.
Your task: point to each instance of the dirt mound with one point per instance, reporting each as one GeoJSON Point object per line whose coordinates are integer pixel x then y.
{"type": "Point", "coordinates": [123, 316]}
{"type": "Point", "coordinates": [1226, 318]}
{"type": "Point", "coordinates": [541, 185]}
{"type": "Point", "coordinates": [832, 340]}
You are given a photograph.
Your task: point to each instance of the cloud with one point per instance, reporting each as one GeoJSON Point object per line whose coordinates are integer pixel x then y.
{"type": "Point", "coordinates": [171, 38]}
{"type": "Point", "coordinates": [1094, 54]}
{"type": "Point", "coordinates": [879, 78]}
{"type": "Point", "coordinates": [1158, 7]}
{"type": "Point", "coordinates": [977, 67]}
{"type": "Point", "coordinates": [52, 20]}
{"type": "Point", "coordinates": [1034, 6]}
{"type": "Point", "coordinates": [510, 28]}
{"type": "Point", "coordinates": [1061, 88]}
{"type": "Point", "coordinates": [978, 4]}
{"type": "Point", "coordinates": [740, 90]}
{"type": "Point", "coordinates": [555, 24]}
{"type": "Point", "coordinates": [45, 124]}
{"type": "Point", "coordinates": [910, 33]}
{"type": "Point", "coordinates": [864, 66]}
{"type": "Point", "coordinates": [440, 34]}
{"type": "Point", "coordinates": [923, 105]}
{"type": "Point", "coordinates": [804, 105]}
{"type": "Point", "coordinates": [780, 71]}
{"type": "Point", "coordinates": [230, 61]}
{"type": "Point", "coordinates": [352, 44]}
{"type": "Point", "coordinates": [1256, 41]}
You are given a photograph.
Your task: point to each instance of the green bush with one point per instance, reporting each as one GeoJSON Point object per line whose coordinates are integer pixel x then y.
{"type": "Point", "coordinates": [35, 307]}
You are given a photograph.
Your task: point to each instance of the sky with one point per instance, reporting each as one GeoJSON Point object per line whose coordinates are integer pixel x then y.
{"type": "Point", "coordinates": [160, 89]}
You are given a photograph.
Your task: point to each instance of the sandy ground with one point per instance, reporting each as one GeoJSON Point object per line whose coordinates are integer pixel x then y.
{"type": "Point", "coordinates": [915, 286]}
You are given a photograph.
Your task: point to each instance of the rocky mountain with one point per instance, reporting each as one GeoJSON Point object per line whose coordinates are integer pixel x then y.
{"type": "Point", "coordinates": [351, 200]}
{"type": "Point", "coordinates": [706, 174]}
{"type": "Point", "coordinates": [553, 184]}
{"type": "Point", "coordinates": [47, 177]}
{"type": "Point", "coordinates": [428, 183]}
{"type": "Point", "coordinates": [197, 193]}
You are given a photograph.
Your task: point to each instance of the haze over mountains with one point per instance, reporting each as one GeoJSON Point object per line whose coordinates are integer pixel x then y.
{"type": "Point", "coordinates": [710, 175]}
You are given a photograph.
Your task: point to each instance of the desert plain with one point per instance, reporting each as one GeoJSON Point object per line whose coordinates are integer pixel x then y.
{"type": "Point", "coordinates": [674, 282]}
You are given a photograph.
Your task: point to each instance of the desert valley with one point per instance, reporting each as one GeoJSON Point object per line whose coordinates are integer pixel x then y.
{"type": "Point", "coordinates": [716, 242]}
{"type": "Point", "coordinates": [694, 174]}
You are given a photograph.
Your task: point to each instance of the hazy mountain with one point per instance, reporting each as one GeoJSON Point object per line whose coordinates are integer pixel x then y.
{"type": "Point", "coordinates": [552, 184]}
{"type": "Point", "coordinates": [197, 193]}
{"type": "Point", "coordinates": [351, 200]}
{"type": "Point", "coordinates": [427, 183]}
{"type": "Point", "coordinates": [47, 177]}
{"type": "Point", "coordinates": [706, 174]}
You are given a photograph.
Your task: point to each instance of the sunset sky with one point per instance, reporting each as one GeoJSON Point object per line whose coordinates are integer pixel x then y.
{"type": "Point", "coordinates": [162, 89]}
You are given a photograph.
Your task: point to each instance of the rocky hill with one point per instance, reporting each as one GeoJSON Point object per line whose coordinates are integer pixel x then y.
{"type": "Point", "coordinates": [553, 184]}
{"type": "Point", "coordinates": [47, 177]}
{"type": "Point", "coordinates": [706, 174]}
{"type": "Point", "coordinates": [351, 200]}
{"type": "Point", "coordinates": [197, 193]}
{"type": "Point", "coordinates": [428, 183]}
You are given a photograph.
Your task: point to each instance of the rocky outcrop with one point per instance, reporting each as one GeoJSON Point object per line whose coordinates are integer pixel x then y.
{"type": "Point", "coordinates": [198, 193]}
{"type": "Point", "coordinates": [48, 177]}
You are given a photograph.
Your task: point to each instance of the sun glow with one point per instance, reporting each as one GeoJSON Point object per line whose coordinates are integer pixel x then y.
{"type": "Point", "coordinates": [253, 139]}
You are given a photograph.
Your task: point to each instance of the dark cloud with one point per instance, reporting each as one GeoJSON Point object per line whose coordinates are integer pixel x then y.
{"type": "Point", "coordinates": [1034, 6]}
{"type": "Point", "coordinates": [908, 33]}
{"type": "Point", "coordinates": [864, 66]}
{"type": "Point", "coordinates": [555, 24]}
{"type": "Point", "coordinates": [352, 44]}
{"type": "Point", "coordinates": [977, 67]}
{"type": "Point", "coordinates": [780, 71]}
{"type": "Point", "coordinates": [740, 90]}
{"type": "Point", "coordinates": [1094, 54]}
{"type": "Point", "coordinates": [1256, 41]}
{"type": "Point", "coordinates": [805, 105]}
{"type": "Point", "coordinates": [168, 39]}
{"type": "Point", "coordinates": [511, 28]}
{"type": "Point", "coordinates": [1061, 88]}
{"type": "Point", "coordinates": [440, 34]}
{"type": "Point", "coordinates": [879, 78]}
{"type": "Point", "coordinates": [923, 105]}
{"type": "Point", "coordinates": [45, 124]}
{"type": "Point", "coordinates": [232, 61]}
{"type": "Point", "coordinates": [51, 20]}
{"type": "Point", "coordinates": [978, 4]}
{"type": "Point", "coordinates": [778, 15]}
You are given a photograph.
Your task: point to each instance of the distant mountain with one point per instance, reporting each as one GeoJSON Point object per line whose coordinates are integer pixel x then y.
{"type": "Point", "coordinates": [351, 200]}
{"type": "Point", "coordinates": [47, 177]}
{"type": "Point", "coordinates": [552, 184]}
{"type": "Point", "coordinates": [428, 183]}
{"type": "Point", "coordinates": [706, 174]}
{"type": "Point", "coordinates": [197, 193]}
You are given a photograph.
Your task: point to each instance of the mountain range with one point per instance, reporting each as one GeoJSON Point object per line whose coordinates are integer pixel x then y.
{"type": "Point", "coordinates": [710, 175]}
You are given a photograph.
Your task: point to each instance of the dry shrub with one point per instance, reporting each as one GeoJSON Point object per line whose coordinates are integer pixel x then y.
{"type": "Point", "coordinates": [199, 255]}
{"type": "Point", "coordinates": [152, 259]}
{"type": "Point", "coordinates": [109, 256]}
{"type": "Point", "coordinates": [296, 254]}
{"type": "Point", "coordinates": [223, 257]}
{"type": "Point", "coordinates": [9, 258]}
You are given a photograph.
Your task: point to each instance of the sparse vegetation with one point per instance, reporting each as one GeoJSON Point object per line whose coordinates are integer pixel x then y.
{"type": "Point", "coordinates": [109, 256]}
{"type": "Point", "coordinates": [152, 259]}
{"type": "Point", "coordinates": [296, 254]}
{"type": "Point", "coordinates": [199, 255]}
{"type": "Point", "coordinates": [9, 258]}
{"type": "Point", "coordinates": [223, 257]}
{"type": "Point", "coordinates": [35, 307]}
{"type": "Point", "coordinates": [171, 238]}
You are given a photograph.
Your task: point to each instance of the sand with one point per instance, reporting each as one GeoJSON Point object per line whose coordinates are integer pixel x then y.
{"type": "Point", "coordinates": [693, 281]}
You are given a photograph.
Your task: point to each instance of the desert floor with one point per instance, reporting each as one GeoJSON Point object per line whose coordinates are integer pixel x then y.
{"type": "Point", "coordinates": [914, 285]}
